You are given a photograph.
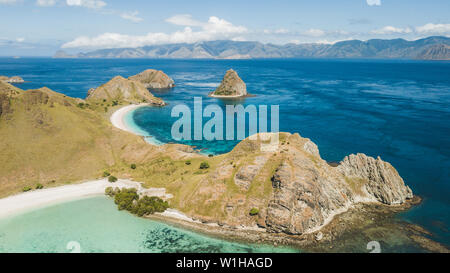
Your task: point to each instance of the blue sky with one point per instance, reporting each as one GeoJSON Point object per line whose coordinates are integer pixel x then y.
{"type": "Point", "coordinates": [39, 27]}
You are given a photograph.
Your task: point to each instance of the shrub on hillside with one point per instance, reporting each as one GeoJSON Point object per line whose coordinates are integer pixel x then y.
{"type": "Point", "coordinates": [125, 199]}
{"type": "Point", "coordinates": [106, 174]}
{"type": "Point", "coordinates": [204, 165]}
{"type": "Point", "coordinates": [110, 191]}
{"type": "Point", "coordinates": [133, 166]}
{"type": "Point", "coordinates": [39, 186]}
{"type": "Point", "coordinates": [25, 189]}
{"type": "Point", "coordinates": [149, 205]}
{"type": "Point", "coordinates": [112, 179]}
{"type": "Point", "coordinates": [254, 211]}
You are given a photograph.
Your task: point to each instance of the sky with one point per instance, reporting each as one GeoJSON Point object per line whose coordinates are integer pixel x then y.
{"type": "Point", "coordinates": [40, 27]}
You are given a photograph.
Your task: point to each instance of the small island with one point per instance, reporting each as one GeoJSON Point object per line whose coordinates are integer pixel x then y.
{"type": "Point", "coordinates": [120, 90]}
{"type": "Point", "coordinates": [232, 86]}
{"type": "Point", "coordinates": [154, 79]}
{"type": "Point", "coordinates": [14, 79]}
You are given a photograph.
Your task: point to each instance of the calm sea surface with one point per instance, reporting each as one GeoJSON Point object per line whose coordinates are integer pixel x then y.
{"type": "Point", "coordinates": [398, 110]}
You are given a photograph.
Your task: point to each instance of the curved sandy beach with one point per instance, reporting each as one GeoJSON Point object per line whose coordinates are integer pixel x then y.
{"type": "Point", "coordinates": [39, 198]}
{"type": "Point", "coordinates": [117, 118]}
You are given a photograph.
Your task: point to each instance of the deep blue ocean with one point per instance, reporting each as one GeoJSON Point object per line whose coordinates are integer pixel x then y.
{"type": "Point", "coordinates": [398, 110]}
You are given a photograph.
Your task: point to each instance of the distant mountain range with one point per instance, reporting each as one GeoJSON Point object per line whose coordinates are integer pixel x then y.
{"type": "Point", "coordinates": [431, 48]}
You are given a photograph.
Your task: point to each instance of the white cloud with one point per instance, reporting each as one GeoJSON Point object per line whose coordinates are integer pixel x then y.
{"type": "Point", "coordinates": [132, 16]}
{"type": "Point", "coordinates": [434, 29]}
{"type": "Point", "coordinates": [392, 30]}
{"type": "Point", "coordinates": [184, 20]}
{"type": "Point", "coordinates": [45, 3]}
{"type": "Point", "coordinates": [6, 2]}
{"type": "Point", "coordinates": [313, 32]}
{"type": "Point", "coordinates": [20, 40]}
{"type": "Point", "coordinates": [215, 28]}
{"type": "Point", "coordinates": [373, 2]}
{"type": "Point", "coordinates": [92, 4]}
{"type": "Point", "coordinates": [276, 31]}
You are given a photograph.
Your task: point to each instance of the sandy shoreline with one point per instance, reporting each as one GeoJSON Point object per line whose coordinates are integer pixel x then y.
{"type": "Point", "coordinates": [118, 120]}
{"type": "Point", "coordinates": [40, 198]}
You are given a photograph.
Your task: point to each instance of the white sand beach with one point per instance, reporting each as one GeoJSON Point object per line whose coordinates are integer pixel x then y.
{"type": "Point", "coordinates": [39, 198]}
{"type": "Point", "coordinates": [117, 117]}
{"type": "Point", "coordinates": [36, 199]}
{"type": "Point", "coordinates": [117, 120]}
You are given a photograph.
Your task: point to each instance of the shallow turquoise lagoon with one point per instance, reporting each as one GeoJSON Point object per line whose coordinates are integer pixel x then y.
{"type": "Point", "coordinates": [95, 225]}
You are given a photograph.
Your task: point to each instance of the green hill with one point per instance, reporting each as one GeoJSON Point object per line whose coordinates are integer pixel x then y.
{"type": "Point", "coordinates": [49, 138]}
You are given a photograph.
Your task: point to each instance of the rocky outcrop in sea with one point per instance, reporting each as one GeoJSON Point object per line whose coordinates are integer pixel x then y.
{"type": "Point", "coordinates": [154, 79]}
{"type": "Point", "coordinates": [232, 86]}
{"type": "Point", "coordinates": [123, 90]}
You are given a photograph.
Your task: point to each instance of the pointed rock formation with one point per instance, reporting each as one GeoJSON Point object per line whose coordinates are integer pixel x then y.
{"type": "Point", "coordinates": [232, 86]}
{"type": "Point", "coordinates": [121, 89]}
{"type": "Point", "coordinates": [153, 79]}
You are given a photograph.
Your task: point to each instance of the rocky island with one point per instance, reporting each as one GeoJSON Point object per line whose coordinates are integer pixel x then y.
{"type": "Point", "coordinates": [120, 89]}
{"type": "Point", "coordinates": [154, 79]}
{"type": "Point", "coordinates": [232, 86]}
{"type": "Point", "coordinates": [14, 79]}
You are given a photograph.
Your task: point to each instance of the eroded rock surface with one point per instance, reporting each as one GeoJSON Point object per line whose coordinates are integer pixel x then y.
{"type": "Point", "coordinates": [294, 189]}
{"type": "Point", "coordinates": [380, 179]}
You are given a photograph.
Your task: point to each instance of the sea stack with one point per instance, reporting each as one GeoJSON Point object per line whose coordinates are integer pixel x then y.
{"type": "Point", "coordinates": [232, 86]}
{"type": "Point", "coordinates": [123, 90]}
{"type": "Point", "coordinates": [154, 79]}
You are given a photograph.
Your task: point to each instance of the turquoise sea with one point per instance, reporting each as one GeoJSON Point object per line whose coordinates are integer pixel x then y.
{"type": "Point", "coordinates": [396, 109]}
{"type": "Point", "coordinates": [95, 225]}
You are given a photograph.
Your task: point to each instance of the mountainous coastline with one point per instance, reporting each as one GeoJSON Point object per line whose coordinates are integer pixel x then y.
{"type": "Point", "coordinates": [431, 48]}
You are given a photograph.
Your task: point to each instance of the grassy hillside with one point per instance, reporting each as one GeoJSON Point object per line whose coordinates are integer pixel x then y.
{"type": "Point", "coordinates": [48, 138]}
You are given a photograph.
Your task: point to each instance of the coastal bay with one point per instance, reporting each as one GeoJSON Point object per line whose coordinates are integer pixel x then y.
{"type": "Point", "coordinates": [142, 111]}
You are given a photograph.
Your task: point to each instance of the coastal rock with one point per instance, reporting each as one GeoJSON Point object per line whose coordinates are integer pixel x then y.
{"type": "Point", "coordinates": [304, 197]}
{"type": "Point", "coordinates": [380, 179]}
{"type": "Point", "coordinates": [153, 79]}
{"type": "Point", "coordinates": [121, 89]}
{"type": "Point", "coordinates": [14, 79]}
{"type": "Point", "coordinates": [232, 86]}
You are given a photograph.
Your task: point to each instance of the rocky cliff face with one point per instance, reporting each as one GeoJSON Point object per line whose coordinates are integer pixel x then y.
{"type": "Point", "coordinates": [380, 180]}
{"type": "Point", "coordinates": [232, 86]}
{"type": "Point", "coordinates": [121, 89]}
{"type": "Point", "coordinates": [154, 79]}
{"type": "Point", "coordinates": [295, 190]}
